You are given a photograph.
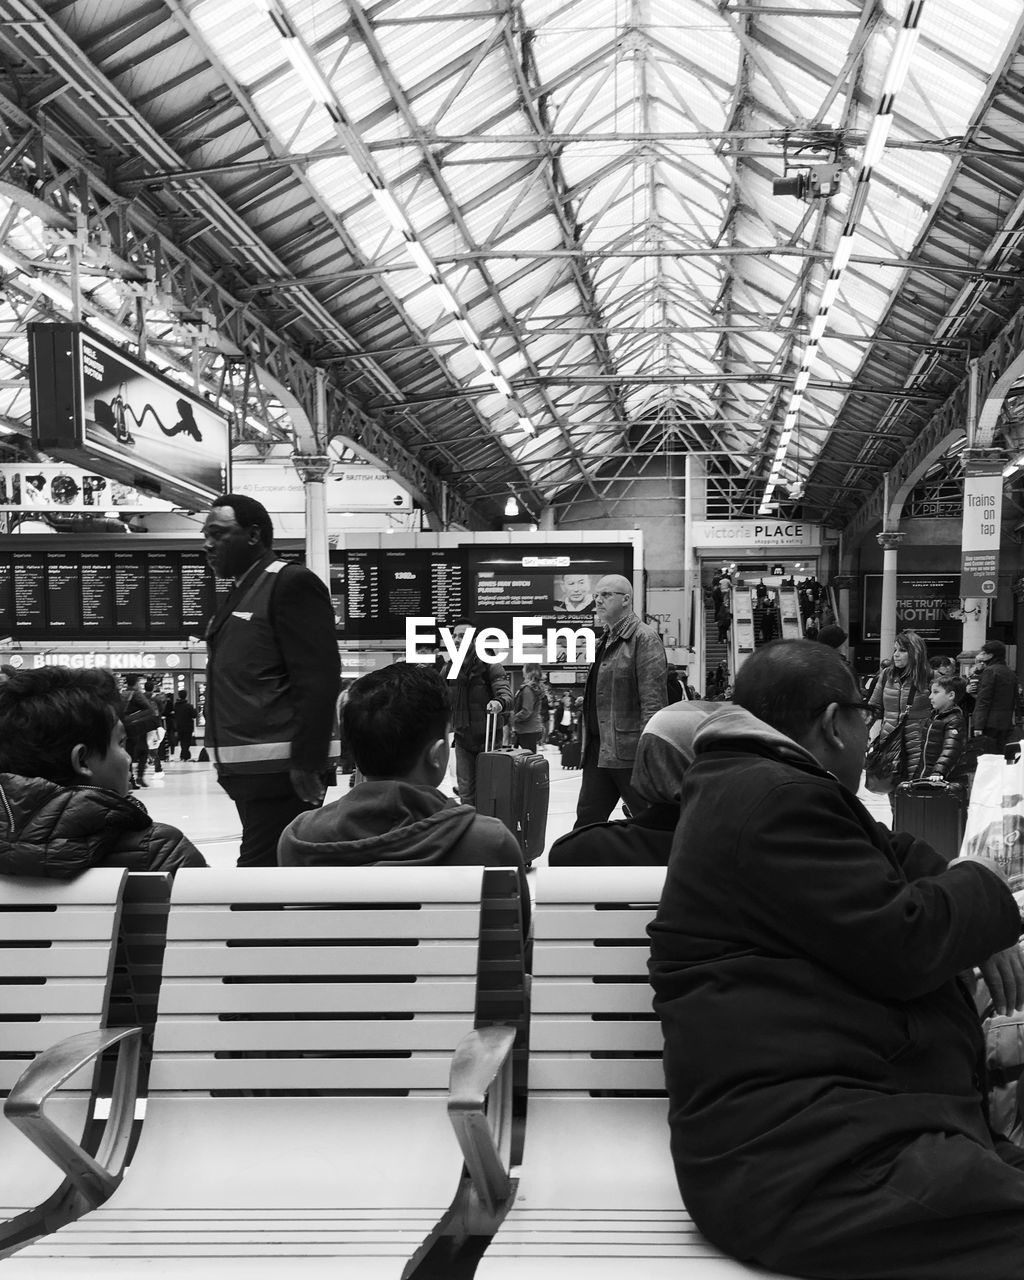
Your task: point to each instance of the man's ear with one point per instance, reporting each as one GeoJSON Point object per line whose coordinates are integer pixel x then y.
{"type": "Point", "coordinates": [436, 755]}
{"type": "Point", "coordinates": [829, 726]}
{"type": "Point", "coordinates": [78, 766]}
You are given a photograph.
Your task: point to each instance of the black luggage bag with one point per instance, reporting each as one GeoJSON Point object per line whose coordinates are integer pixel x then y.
{"type": "Point", "coordinates": [932, 811]}
{"type": "Point", "coordinates": [571, 752]}
{"type": "Point", "coordinates": [514, 786]}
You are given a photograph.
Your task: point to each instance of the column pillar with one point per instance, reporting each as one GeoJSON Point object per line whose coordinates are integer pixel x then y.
{"type": "Point", "coordinates": [313, 469]}
{"type": "Point", "coordinates": [695, 483]}
{"type": "Point", "coordinates": [975, 613]}
{"type": "Point", "coordinates": [889, 540]}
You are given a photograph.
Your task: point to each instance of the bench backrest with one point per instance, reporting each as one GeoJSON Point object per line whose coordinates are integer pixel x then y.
{"type": "Point", "coordinates": [57, 945]}
{"type": "Point", "coordinates": [592, 1028]}
{"type": "Point", "coordinates": [333, 980]}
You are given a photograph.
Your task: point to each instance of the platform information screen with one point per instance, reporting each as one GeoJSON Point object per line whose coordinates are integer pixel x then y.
{"type": "Point", "coordinates": [376, 590]}
{"type": "Point", "coordinates": [94, 593]}
{"type": "Point", "coordinates": [109, 595]}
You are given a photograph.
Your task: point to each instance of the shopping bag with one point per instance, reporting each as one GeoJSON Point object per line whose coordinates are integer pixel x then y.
{"type": "Point", "coordinates": [995, 817]}
{"type": "Point", "coordinates": [885, 762]}
{"type": "Point", "coordinates": [1004, 1062]}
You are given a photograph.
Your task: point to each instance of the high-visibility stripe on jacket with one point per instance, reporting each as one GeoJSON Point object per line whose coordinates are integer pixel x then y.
{"type": "Point", "coordinates": [250, 713]}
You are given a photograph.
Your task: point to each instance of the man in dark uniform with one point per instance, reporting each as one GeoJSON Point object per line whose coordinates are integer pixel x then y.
{"type": "Point", "coordinates": [272, 679]}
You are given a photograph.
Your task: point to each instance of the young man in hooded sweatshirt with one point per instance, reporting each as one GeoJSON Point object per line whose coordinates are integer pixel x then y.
{"type": "Point", "coordinates": [396, 725]}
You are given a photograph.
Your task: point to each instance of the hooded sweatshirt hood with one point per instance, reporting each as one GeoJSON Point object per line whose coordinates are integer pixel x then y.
{"type": "Point", "coordinates": [735, 729]}
{"type": "Point", "coordinates": [386, 821]}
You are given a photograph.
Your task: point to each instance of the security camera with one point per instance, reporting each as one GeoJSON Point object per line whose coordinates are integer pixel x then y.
{"type": "Point", "coordinates": [816, 183]}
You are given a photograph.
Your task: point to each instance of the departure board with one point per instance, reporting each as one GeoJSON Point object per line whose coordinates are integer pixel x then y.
{"type": "Point", "coordinates": [97, 592]}
{"type": "Point", "coordinates": [422, 584]}
{"type": "Point", "coordinates": [64, 592]}
{"type": "Point", "coordinates": [108, 595]}
{"type": "Point", "coordinates": [376, 590]}
{"type": "Point", "coordinates": [93, 592]}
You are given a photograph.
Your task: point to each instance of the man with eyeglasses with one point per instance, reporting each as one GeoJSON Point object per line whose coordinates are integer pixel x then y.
{"type": "Point", "coordinates": [823, 1058]}
{"type": "Point", "coordinates": [626, 685]}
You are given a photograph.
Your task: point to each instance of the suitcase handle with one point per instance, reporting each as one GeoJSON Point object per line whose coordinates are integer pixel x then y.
{"type": "Point", "coordinates": [491, 731]}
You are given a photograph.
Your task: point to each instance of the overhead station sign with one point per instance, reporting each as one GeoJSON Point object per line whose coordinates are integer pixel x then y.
{"type": "Point", "coordinates": [756, 533]}
{"type": "Point", "coordinates": [349, 488]}
{"type": "Point", "coordinates": [96, 406]}
{"type": "Point", "coordinates": [983, 504]}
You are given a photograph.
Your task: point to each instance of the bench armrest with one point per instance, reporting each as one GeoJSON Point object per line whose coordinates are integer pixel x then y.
{"type": "Point", "coordinates": [480, 1109]}
{"type": "Point", "coordinates": [94, 1177]}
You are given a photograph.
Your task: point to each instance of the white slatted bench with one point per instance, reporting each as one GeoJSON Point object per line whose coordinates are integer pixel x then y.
{"type": "Point", "coordinates": [57, 946]}
{"type": "Point", "coordinates": [296, 1119]}
{"type": "Point", "coordinates": [597, 1195]}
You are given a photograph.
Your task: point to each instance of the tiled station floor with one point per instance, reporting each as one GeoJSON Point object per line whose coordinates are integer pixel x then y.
{"type": "Point", "coordinates": [190, 798]}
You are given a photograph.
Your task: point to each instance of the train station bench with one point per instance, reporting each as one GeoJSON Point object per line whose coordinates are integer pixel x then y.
{"type": "Point", "coordinates": [597, 1194]}
{"type": "Point", "coordinates": [307, 1027]}
{"type": "Point", "coordinates": [57, 975]}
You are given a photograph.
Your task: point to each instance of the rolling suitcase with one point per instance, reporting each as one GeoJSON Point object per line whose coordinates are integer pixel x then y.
{"type": "Point", "coordinates": [934, 812]}
{"type": "Point", "coordinates": [514, 786]}
{"type": "Point", "coordinates": [571, 753]}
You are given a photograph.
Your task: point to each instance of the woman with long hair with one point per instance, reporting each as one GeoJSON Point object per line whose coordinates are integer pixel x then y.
{"type": "Point", "coordinates": [902, 688]}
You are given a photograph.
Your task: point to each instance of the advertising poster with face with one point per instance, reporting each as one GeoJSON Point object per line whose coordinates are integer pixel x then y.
{"type": "Point", "coordinates": [555, 585]}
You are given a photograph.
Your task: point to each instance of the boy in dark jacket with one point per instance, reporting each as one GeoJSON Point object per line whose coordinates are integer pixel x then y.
{"type": "Point", "coordinates": [395, 722]}
{"type": "Point", "coordinates": [945, 734]}
{"type": "Point", "coordinates": [64, 781]}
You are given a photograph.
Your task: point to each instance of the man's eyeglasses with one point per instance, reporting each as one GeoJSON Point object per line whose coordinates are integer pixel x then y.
{"type": "Point", "coordinates": [869, 712]}
{"type": "Point", "coordinates": [605, 595]}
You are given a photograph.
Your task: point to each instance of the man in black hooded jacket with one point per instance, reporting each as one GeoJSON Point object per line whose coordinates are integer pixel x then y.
{"type": "Point", "coordinates": [395, 722]}
{"type": "Point", "coordinates": [823, 1059]}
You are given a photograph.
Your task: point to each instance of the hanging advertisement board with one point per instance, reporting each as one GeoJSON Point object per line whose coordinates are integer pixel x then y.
{"type": "Point", "coordinates": [983, 503]}
{"type": "Point", "coordinates": [98, 407]}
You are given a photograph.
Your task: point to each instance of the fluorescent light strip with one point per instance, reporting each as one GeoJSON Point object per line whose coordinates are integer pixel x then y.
{"type": "Point", "coordinates": [877, 137]}
{"type": "Point", "coordinates": [447, 298]}
{"type": "Point", "coordinates": [841, 257]}
{"type": "Point", "coordinates": [107, 327]}
{"type": "Point", "coordinates": [874, 146]}
{"type": "Point", "coordinates": [829, 293]}
{"type": "Point", "coordinates": [422, 259]}
{"type": "Point", "coordinates": [468, 332]}
{"type": "Point", "coordinates": [307, 70]}
{"type": "Point", "coordinates": [389, 207]}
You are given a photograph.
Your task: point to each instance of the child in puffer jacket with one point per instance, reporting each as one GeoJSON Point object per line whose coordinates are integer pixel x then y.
{"type": "Point", "coordinates": [945, 735]}
{"type": "Point", "coordinates": [65, 778]}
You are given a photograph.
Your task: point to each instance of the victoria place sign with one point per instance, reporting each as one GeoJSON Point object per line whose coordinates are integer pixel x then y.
{"type": "Point", "coordinates": [530, 641]}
